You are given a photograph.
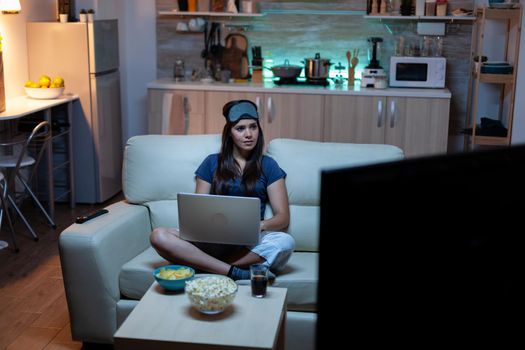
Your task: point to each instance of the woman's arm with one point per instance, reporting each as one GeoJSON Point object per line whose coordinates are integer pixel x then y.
{"type": "Point", "coordinates": [202, 186]}
{"type": "Point", "coordinates": [278, 196]}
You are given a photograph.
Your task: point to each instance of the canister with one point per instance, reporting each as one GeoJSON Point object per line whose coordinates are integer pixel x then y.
{"type": "Point", "coordinates": [203, 5]}
{"type": "Point", "coordinates": [430, 7]}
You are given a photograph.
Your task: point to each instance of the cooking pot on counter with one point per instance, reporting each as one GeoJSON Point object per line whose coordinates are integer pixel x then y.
{"type": "Point", "coordinates": [287, 70]}
{"type": "Point", "coordinates": [317, 68]}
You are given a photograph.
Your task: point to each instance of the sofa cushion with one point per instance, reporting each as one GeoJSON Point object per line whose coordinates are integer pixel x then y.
{"type": "Point", "coordinates": [136, 276]}
{"type": "Point", "coordinates": [157, 167]}
{"type": "Point", "coordinates": [304, 160]}
{"type": "Point", "coordinates": [299, 276]}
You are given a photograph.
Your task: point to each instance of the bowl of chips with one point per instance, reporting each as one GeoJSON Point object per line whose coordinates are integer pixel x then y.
{"type": "Point", "coordinates": [173, 277]}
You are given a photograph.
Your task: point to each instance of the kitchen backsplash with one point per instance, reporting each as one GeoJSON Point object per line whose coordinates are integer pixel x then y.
{"type": "Point", "coordinates": [297, 30]}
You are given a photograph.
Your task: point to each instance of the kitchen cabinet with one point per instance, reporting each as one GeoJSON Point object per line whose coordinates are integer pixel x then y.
{"type": "Point", "coordinates": [416, 120]}
{"type": "Point", "coordinates": [419, 126]}
{"type": "Point", "coordinates": [192, 110]}
{"type": "Point", "coordinates": [297, 116]}
{"type": "Point", "coordinates": [505, 84]}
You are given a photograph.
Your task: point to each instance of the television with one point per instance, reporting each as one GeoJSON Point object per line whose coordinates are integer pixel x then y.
{"type": "Point", "coordinates": [423, 252]}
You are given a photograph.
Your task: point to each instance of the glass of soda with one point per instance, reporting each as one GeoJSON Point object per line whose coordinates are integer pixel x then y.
{"type": "Point", "coordinates": [259, 280]}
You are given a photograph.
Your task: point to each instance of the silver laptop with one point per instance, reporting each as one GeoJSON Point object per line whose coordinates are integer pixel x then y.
{"type": "Point", "coordinates": [219, 219]}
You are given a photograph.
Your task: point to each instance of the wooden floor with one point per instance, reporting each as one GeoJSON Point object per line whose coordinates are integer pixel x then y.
{"type": "Point", "coordinates": [33, 309]}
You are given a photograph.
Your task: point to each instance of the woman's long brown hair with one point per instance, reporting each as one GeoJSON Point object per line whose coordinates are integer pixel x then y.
{"type": "Point", "coordinates": [228, 168]}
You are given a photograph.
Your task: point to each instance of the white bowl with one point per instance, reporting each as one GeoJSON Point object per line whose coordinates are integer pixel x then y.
{"type": "Point", "coordinates": [44, 94]}
{"type": "Point", "coordinates": [211, 295]}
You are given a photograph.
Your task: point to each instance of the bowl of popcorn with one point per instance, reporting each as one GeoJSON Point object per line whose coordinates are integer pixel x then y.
{"type": "Point", "coordinates": [173, 277]}
{"type": "Point", "coordinates": [211, 294]}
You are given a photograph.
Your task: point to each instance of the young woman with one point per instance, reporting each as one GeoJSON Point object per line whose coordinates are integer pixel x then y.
{"type": "Point", "coordinates": [240, 169]}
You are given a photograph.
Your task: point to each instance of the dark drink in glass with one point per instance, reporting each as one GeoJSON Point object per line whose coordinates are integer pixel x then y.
{"type": "Point", "coordinates": [259, 284]}
{"type": "Point", "coordinates": [259, 280]}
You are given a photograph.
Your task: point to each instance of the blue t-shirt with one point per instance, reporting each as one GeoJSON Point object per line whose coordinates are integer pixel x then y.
{"type": "Point", "coordinates": [271, 172]}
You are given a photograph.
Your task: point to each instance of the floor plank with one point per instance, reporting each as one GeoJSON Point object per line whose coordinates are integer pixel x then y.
{"type": "Point", "coordinates": [33, 307]}
{"type": "Point", "coordinates": [54, 316]}
{"type": "Point", "coordinates": [64, 341]}
{"type": "Point", "coordinates": [34, 338]}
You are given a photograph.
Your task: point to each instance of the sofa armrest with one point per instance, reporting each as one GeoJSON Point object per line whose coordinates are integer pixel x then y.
{"type": "Point", "coordinates": [91, 256]}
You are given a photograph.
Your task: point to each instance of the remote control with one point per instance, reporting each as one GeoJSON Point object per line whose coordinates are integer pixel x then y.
{"type": "Point", "coordinates": [84, 218]}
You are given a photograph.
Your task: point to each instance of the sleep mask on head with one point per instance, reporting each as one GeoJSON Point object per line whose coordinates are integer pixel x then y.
{"type": "Point", "coordinates": [242, 110]}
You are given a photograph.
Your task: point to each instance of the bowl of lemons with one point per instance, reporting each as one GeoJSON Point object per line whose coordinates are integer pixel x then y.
{"type": "Point", "coordinates": [45, 88]}
{"type": "Point", "coordinates": [173, 277]}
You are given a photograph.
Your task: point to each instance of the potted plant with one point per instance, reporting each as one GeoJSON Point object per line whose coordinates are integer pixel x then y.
{"type": "Point", "coordinates": [82, 15]}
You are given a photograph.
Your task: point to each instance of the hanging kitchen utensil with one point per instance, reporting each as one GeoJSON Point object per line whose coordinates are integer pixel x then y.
{"type": "Point", "coordinates": [235, 56]}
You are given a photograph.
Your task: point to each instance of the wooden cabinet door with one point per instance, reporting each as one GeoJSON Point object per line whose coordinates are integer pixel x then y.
{"type": "Point", "coordinates": [293, 116]}
{"type": "Point", "coordinates": [419, 126]}
{"type": "Point", "coordinates": [193, 110]}
{"type": "Point", "coordinates": [357, 119]}
{"type": "Point", "coordinates": [216, 100]}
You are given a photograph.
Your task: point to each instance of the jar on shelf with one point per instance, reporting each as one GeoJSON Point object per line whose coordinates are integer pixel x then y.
{"type": "Point", "coordinates": [430, 7]}
{"type": "Point", "coordinates": [441, 7]}
{"type": "Point", "coordinates": [218, 5]}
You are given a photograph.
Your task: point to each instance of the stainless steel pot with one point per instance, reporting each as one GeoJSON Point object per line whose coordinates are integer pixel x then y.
{"type": "Point", "coordinates": [287, 70]}
{"type": "Point", "coordinates": [317, 68]}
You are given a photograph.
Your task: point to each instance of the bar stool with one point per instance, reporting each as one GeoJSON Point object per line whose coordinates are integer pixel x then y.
{"type": "Point", "coordinates": [16, 163]}
{"type": "Point", "coordinates": [4, 209]}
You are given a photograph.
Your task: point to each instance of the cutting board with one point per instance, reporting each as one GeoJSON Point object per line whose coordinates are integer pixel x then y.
{"type": "Point", "coordinates": [235, 56]}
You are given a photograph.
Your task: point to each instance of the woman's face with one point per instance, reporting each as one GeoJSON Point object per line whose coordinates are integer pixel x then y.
{"type": "Point", "coordinates": [245, 134]}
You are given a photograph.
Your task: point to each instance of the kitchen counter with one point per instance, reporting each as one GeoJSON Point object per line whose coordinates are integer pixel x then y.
{"type": "Point", "coordinates": [270, 86]}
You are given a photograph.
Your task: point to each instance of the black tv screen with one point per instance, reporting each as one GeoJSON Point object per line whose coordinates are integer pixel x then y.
{"type": "Point", "coordinates": [430, 249]}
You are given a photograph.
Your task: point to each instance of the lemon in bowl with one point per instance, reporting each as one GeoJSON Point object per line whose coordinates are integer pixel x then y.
{"type": "Point", "coordinates": [211, 294]}
{"type": "Point", "coordinates": [173, 277]}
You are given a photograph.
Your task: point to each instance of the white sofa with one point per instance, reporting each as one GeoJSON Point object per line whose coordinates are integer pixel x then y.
{"type": "Point", "coordinates": [107, 261]}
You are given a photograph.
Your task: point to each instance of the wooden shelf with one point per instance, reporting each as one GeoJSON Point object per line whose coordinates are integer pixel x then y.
{"type": "Point", "coordinates": [496, 78]}
{"type": "Point", "coordinates": [491, 13]}
{"type": "Point", "coordinates": [491, 140]}
{"type": "Point", "coordinates": [177, 13]}
{"type": "Point", "coordinates": [313, 12]}
{"type": "Point", "coordinates": [511, 18]}
{"type": "Point", "coordinates": [422, 18]}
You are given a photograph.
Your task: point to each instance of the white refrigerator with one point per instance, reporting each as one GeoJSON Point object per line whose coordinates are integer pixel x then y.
{"type": "Point", "coordinates": [86, 56]}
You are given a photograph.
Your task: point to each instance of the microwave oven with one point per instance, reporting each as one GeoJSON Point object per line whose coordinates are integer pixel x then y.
{"type": "Point", "coordinates": [417, 72]}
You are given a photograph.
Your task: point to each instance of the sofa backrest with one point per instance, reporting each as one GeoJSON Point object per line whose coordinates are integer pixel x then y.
{"type": "Point", "coordinates": [303, 162]}
{"type": "Point", "coordinates": [157, 167]}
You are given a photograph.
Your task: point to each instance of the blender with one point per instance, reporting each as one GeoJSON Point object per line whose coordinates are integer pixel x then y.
{"type": "Point", "coordinates": [373, 73]}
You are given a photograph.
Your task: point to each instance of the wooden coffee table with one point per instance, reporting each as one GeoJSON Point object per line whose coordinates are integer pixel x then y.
{"type": "Point", "coordinates": [164, 320]}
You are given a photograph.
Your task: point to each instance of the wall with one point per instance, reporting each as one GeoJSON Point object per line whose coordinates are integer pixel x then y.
{"type": "Point", "coordinates": [296, 30]}
{"type": "Point", "coordinates": [13, 29]}
{"type": "Point", "coordinates": [138, 62]}
{"type": "Point", "coordinates": [137, 50]}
